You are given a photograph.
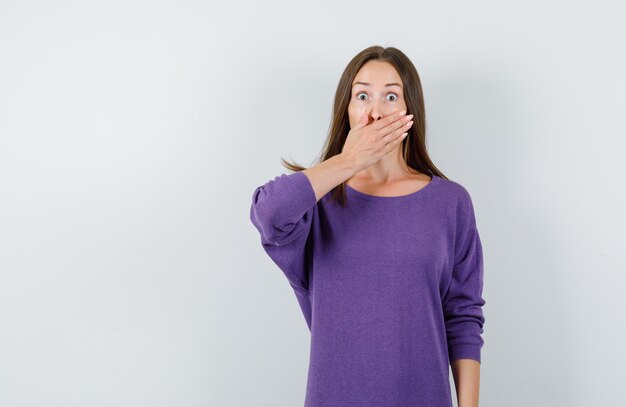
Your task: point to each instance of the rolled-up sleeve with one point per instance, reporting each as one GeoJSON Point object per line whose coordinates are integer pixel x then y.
{"type": "Point", "coordinates": [463, 301]}
{"type": "Point", "coordinates": [282, 211]}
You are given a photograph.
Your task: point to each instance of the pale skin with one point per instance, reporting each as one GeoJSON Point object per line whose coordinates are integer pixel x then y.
{"type": "Point", "coordinates": [372, 162]}
{"type": "Point", "coordinates": [466, 373]}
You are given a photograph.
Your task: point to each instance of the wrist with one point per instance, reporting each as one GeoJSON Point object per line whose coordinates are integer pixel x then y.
{"type": "Point", "coordinates": [348, 163]}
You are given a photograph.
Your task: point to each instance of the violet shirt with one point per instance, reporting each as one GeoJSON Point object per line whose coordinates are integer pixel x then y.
{"type": "Point", "coordinates": [390, 287]}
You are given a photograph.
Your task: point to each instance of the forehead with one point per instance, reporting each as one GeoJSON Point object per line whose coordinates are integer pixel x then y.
{"type": "Point", "coordinates": [378, 74]}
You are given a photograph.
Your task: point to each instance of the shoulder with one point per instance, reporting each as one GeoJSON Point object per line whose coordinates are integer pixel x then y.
{"type": "Point", "coordinates": [458, 201]}
{"type": "Point", "coordinates": [453, 191]}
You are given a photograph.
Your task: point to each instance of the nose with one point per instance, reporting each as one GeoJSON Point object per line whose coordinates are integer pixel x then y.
{"type": "Point", "coordinates": [376, 113]}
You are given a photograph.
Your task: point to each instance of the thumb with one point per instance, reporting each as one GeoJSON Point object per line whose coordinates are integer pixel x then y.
{"type": "Point", "coordinates": [362, 119]}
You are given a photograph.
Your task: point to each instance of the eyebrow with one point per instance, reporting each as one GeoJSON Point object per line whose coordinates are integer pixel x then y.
{"type": "Point", "coordinates": [369, 84]}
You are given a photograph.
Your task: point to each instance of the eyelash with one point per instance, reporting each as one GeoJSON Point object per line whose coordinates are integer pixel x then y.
{"type": "Point", "coordinates": [392, 93]}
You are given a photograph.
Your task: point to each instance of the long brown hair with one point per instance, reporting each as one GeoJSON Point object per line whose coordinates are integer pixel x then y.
{"type": "Point", "coordinates": [413, 146]}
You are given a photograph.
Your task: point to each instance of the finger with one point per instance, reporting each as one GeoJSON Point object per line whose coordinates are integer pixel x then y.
{"type": "Point", "coordinates": [389, 147]}
{"type": "Point", "coordinates": [387, 120]}
{"type": "Point", "coordinates": [400, 123]}
{"type": "Point", "coordinates": [396, 128]}
{"type": "Point", "coordinates": [363, 119]}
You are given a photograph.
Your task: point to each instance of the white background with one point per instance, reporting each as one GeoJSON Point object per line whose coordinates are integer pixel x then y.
{"type": "Point", "coordinates": [132, 135]}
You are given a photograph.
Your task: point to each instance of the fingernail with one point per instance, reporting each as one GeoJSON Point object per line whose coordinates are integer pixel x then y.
{"type": "Point", "coordinates": [402, 113]}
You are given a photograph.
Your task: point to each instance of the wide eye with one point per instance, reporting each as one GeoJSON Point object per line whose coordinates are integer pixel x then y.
{"type": "Point", "coordinates": [395, 96]}
{"type": "Point", "coordinates": [358, 95]}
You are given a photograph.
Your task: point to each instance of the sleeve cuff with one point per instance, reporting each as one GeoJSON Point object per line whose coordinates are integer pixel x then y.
{"type": "Point", "coordinates": [303, 190]}
{"type": "Point", "coordinates": [464, 351]}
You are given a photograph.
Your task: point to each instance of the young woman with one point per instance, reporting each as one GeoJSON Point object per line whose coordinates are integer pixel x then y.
{"type": "Point", "coordinates": [381, 250]}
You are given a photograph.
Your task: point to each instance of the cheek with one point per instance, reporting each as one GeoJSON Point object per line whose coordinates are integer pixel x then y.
{"type": "Point", "coordinates": [353, 113]}
{"type": "Point", "coordinates": [351, 106]}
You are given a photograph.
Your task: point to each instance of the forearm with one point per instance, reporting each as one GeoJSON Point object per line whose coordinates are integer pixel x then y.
{"type": "Point", "coordinates": [330, 173]}
{"type": "Point", "coordinates": [466, 373]}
